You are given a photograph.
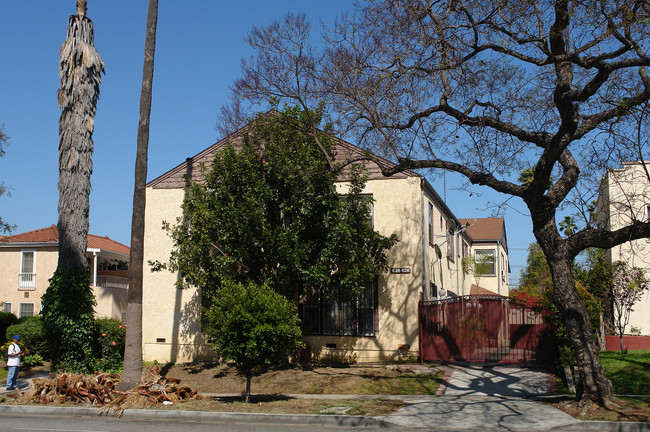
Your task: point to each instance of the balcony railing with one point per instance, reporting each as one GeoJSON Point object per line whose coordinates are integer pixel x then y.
{"type": "Point", "coordinates": [112, 282]}
{"type": "Point", "coordinates": [26, 281]}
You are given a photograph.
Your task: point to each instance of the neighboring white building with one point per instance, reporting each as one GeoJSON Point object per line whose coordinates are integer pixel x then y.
{"type": "Point", "coordinates": [624, 197]}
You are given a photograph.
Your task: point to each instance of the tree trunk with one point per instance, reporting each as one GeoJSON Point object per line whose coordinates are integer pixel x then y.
{"type": "Point", "coordinates": [622, 347]}
{"type": "Point", "coordinates": [133, 349]}
{"type": "Point", "coordinates": [80, 70]}
{"type": "Point", "coordinates": [249, 377]}
{"type": "Point", "coordinates": [592, 383]}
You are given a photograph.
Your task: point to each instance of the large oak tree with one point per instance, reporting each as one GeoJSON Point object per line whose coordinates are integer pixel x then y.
{"type": "Point", "coordinates": [484, 89]}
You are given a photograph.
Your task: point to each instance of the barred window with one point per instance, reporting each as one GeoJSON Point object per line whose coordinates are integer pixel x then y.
{"type": "Point", "coordinates": [356, 317]}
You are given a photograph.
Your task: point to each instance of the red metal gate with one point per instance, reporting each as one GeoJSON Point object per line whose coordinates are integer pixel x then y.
{"type": "Point", "coordinates": [484, 329]}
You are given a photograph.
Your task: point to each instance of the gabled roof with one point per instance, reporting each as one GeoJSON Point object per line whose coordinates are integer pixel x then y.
{"type": "Point", "coordinates": [51, 235]}
{"type": "Point", "coordinates": [487, 229]}
{"type": "Point", "coordinates": [176, 177]}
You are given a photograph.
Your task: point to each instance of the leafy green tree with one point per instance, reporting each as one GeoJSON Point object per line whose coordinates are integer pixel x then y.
{"type": "Point", "coordinates": [251, 325]}
{"type": "Point", "coordinates": [596, 274]}
{"type": "Point", "coordinates": [269, 212]}
{"type": "Point", "coordinates": [537, 274]}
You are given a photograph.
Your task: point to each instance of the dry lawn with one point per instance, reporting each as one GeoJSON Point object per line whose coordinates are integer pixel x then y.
{"type": "Point", "coordinates": [338, 379]}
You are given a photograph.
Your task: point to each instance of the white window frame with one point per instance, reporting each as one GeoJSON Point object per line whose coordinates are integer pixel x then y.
{"type": "Point", "coordinates": [27, 282]}
{"type": "Point", "coordinates": [486, 252]}
{"type": "Point", "coordinates": [20, 309]}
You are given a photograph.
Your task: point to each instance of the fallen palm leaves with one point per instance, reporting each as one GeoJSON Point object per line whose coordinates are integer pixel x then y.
{"type": "Point", "coordinates": [100, 391]}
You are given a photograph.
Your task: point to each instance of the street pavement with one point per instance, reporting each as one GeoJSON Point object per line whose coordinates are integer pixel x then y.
{"type": "Point", "coordinates": [498, 398]}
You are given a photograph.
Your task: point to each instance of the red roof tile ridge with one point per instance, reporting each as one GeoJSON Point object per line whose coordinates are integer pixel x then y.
{"type": "Point", "coordinates": [51, 235]}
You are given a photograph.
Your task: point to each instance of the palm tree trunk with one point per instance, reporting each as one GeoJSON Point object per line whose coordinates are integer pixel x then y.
{"type": "Point", "coordinates": [133, 349]}
{"type": "Point", "coordinates": [80, 70]}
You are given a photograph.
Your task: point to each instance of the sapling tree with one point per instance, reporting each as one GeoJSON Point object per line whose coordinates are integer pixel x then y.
{"type": "Point", "coordinates": [252, 325]}
{"type": "Point", "coordinates": [627, 289]}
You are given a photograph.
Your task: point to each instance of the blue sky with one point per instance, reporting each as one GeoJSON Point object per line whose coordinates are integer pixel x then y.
{"type": "Point", "coordinates": [198, 51]}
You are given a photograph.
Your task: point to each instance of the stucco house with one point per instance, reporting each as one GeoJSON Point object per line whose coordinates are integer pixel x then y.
{"type": "Point", "coordinates": [383, 322]}
{"type": "Point", "coordinates": [624, 197]}
{"type": "Point", "coordinates": [28, 260]}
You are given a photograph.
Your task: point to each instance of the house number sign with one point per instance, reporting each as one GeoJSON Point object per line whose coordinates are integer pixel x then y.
{"type": "Point", "coordinates": [402, 270]}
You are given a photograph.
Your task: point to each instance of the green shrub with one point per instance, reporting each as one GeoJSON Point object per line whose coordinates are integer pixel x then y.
{"type": "Point", "coordinates": [6, 319]}
{"type": "Point", "coordinates": [32, 360]}
{"type": "Point", "coordinates": [30, 330]}
{"type": "Point", "coordinates": [111, 335]}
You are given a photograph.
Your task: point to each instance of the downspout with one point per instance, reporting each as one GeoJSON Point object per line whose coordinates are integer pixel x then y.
{"type": "Point", "coordinates": [498, 258]}
{"type": "Point", "coordinates": [94, 268]}
{"type": "Point", "coordinates": [456, 250]}
{"type": "Point", "coordinates": [424, 245]}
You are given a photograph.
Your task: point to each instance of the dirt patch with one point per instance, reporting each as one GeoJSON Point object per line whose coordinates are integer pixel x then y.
{"type": "Point", "coordinates": [627, 409]}
{"type": "Point", "coordinates": [325, 379]}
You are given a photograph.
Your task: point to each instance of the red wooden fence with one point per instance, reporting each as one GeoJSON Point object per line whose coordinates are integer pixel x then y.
{"type": "Point", "coordinates": [484, 329]}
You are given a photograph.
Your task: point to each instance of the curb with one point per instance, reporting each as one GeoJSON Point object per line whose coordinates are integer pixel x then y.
{"type": "Point", "coordinates": [597, 425]}
{"type": "Point", "coordinates": [201, 416]}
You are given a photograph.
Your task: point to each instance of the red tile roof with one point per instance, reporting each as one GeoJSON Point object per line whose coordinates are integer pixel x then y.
{"type": "Point", "coordinates": [51, 235]}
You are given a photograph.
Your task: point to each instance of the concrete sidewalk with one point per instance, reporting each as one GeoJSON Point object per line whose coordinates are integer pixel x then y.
{"type": "Point", "coordinates": [492, 398]}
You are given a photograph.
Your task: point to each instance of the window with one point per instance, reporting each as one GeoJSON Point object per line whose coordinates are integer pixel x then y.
{"type": "Point", "coordinates": [451, 238]}
{"type": "Point", "coordinates": [504, 268]}
{"type": "Point", "coordinates": [6, 307]}
{"type": "Point", "coordinates": [431, 239]}
{"type": "Point", "coordinates": [27, 279]}
{"type": "Point", "coordinates": [485, 262]}
{"type": "Point", "coordinates": [25, 310]}
{"type": "Point", "coordinates": [465, 249]}
{"type": "Point", "coordinates": [350, 318]}
{"type": "Point", "coordinates": [366, 199]}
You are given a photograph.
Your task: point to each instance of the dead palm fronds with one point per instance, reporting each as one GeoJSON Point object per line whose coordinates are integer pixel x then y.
{"type": "Point", "coordinates": [80, 71]}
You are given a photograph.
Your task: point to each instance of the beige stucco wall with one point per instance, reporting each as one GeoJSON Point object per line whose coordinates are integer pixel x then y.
{"type": "Point", "coordinates": [111, 302]}
{"type": "Point", "coordinates": [169, 332]}
{"type": "Point", "coordinates": [45, 261]}
{"type": "Point", "coordinates": [168, 314]}
{"type": "Point", "coordinates": [624, 197]}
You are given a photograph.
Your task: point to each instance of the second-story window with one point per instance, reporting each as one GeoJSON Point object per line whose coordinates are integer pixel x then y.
{"type": "Point", "coordinates": [27, 277]}
{"type": "Point", "coordinates": [485, 262]}
{"type": "Point", "coordinates": [451, 249]}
